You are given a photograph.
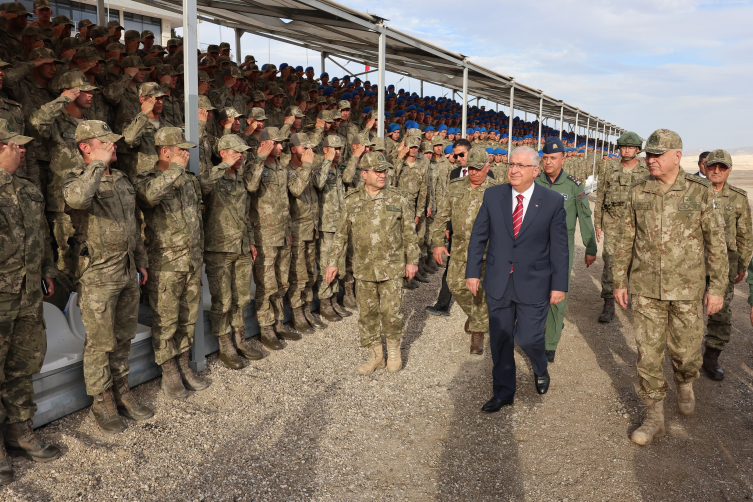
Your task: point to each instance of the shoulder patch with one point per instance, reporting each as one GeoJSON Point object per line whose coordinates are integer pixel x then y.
{"type": "Point", "coordinates": [738, 190]}
{"type": "Point", "coordinates": [640, 181]}
{"type": "Point", "coordinates": [697, 179]}
{"type": "Point", "coordinates": [574, 179]}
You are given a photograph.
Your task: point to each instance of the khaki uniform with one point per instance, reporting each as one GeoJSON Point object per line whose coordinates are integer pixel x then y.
{"type": "Point", "coordinates": [414, 181]}
{"type": "Point", "coordinates": [500, 172]}
{"type": "Point", "coordinates": [140, 154]}
{"type": "Point", "coordinates": [13, 113]}
{"type": "Point", "coordinates": [125, 100]}
{"type": "Point", "coordinates": [331, 205]}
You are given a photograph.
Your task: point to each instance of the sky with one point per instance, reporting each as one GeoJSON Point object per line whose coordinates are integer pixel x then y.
{"type": "Point", "coordinates": [642, 65]}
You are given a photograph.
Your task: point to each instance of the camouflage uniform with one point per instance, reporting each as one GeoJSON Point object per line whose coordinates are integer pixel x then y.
{"type": "Point", "coordinates": [610, 212]}
{"type": "Point", "coordinates": [499, 170]}
{"type": "Point", "coordinates": [140, 153]}
{"type": "Point", "coordinates": [662, 249]}
{"type": "Point", "coordinates": [228, 238]}
{"type": "Point", "coordinates": [109, 250]}
{"type": "Point", "coordinates": [171, 203]}
{"type": "Point", "coordinates": [25, 258]}
{"type": "Point", "coordinates": [124, 96]}
{"type": "Point", "coordinates": [206, 141]}
{"type": "Point", "coordinates": [387, 219]}
{"type": "Point", "coordinates": [413, 180]}
{"type": "Point", "coordinates": [13, 113]}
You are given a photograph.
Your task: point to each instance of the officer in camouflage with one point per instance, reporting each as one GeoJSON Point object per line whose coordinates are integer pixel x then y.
{"type": "Point", "coordinates": [109, 248]}
{"type": "Point", "coordinates": [459, 207]}
{"type": "Point", "coordinates": [672, 225]}
{"type": "Point", "coordinates": [140, 154]}
{"type": "Point", "coordinates": [380, 215]}
{"type": "Point", "coordinates": [25, 261]}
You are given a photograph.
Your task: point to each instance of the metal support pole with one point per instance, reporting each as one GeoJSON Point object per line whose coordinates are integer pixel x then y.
{"type": "Point", "coordinates": [321, 64]}
{"type": "Point", "coordinates": [562, 116]}
{"type": "Point", "coordinates": [512, 116]}
{"type": "Point", "coordinates": [101, 13]}
{"type": "Point", "coordinates": [609, 141]}
{"type": "Point", "coordinates": [588, 135]}
{"type": "Point", "coordinates": [575, 141]}
{"type": "Point", "coordinates": [380, 78]}
{"type": "Point", "coordinates": [198, 360]}
{"type": "Point", "coordinates": [238, 35]}
{"type": "Point", "coordinates": [596, 144]}
{"type": "Point", "coordinates": [465, 101]}
{"type": "Point", "coordinates": [421, 89]}
{"type": "Point", "coordinates": [541, 119]}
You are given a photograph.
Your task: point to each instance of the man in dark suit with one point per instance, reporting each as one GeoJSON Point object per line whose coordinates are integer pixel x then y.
{"type": "Point", "coordinates": [524, 225]}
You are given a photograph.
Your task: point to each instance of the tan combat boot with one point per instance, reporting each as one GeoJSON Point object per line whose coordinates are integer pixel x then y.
{"type": "Point", "coordinates": [312, 318]}
{"type": "Point", "coordinates": [349, 300]}
{"type": "Point", "coordinates": [685, 398]}
{"type": "Point", "coordinates": [477, 342]}
{"type": "Point", "coordinates": [653, 425]}
{"type": "Point", "coordinates": [269, 338]}
{"type": "Point", "coordinates": [327, 311]}
{"type": "Point", "coordinates": [20, 440]}
{"type": "Point", "coordinates": [375, 362]}
{"type": "Point", "coordinates": [228, 354]}
{"type": "Point", "coordinates": [250, 353]}
{"type": "Point", "coordinates": [6, 470]}
{"type": "Point", "coordinates": [105, 413]}
{"type": "Point", "coordinates": [172, 384]}
{"type": "Point", "coordinates": [340, 309]}
{"type": "Point", "coordinates": [191, 380]}
{"type": "Point", "coordinates": [300, 323]}
{"type": "Point", "coordinates": [394, 361]}
{"type": "Point", "coordinates": [127, 403]}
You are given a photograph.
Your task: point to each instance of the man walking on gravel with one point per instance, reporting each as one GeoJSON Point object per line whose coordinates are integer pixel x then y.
{"type": "Point", "coordinates": [672, 225]}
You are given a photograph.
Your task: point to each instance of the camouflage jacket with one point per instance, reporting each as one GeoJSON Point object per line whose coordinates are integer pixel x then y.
{"type": "Point", "coordinates": [171, 204]}
{"type": "Point", "coordinates": [666, 238]}
{"type": "Point", "coordinates": [390, 150]}
{"type": "Point", "coordinates": [24, 237]}
{"type": "Point", "coordinates": [612, 192]}
{"type": "Point", "coordinates": [303, 184]}
{"type": "Point", "coordinates": [103, 214]}
{"type": "Point", "coordinates": [413, 180]}
{"type": "Point", "coordinates": [140, 154]}
{"type": "Point", "coordinates": [125, 99]}
{"type": "Point", "coordinates": [12, 112]}
{"type": "Point", "coordinates": [499, 171]}
{"type": "Point", "coordinates": [56, 126]}
{"type": "Point", "coordinates": [172, 110]}
{"type": "Point", "coordinates": [459, 207]}
{"type": "Point", "coordinates": [206, 148]}
{"type": "Point", "coordinates": [270, 207]}
{"type": "Point", "coordinates": [11, 47]}
{"type": "Point", "coordinates": [349, 131]}
{"type": "Point", "coordinates": [331, 198]}
{"type": "Point", "coordinates": [275, 118]}
{"type": "Point", "coordinates": [383, 233]}
{"type": "Point", "coordinates": [733, 203]}
{"type": "Point", "coordinates": [226, 203]}
{"type": "Point", "coordinates": [33, 97]}
{"type": "Point", "coordinates": [440, 179]}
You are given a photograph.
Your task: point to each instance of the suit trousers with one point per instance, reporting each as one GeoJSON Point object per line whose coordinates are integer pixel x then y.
{"type": "Point", "coordinates": [510, 322]}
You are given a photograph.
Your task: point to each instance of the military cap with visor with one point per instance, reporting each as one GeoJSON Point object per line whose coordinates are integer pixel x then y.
{"type": "Point", "coordinates": [232, 142]}
{"type": "Point", "coordinates": [229, 113]}
{"type": "Point", "coordinates": [75, 79]}
{"type": "Point", "coordinates": [719, 157]}
{"type": "Point", "coordinates": [271, 134]}
{"type": "Point", "coordinates": [61, 19]}
{"type": "Point", "coordinates": [477, 158]}
{"type": "Point", "coordinates": [34, 32]}
{"type": "Point", "coordinates": [258, 114]}
{"type": "Point", "coordinates": [553, 145]}
{"type": "Point", "coordinates": [301, 139]}
{"type": "Point", "coordinates": [205, 103]}
{"type": "Point", "coordinates": [294, 111]}
{"type": "Point", "coordinates": [95, 129]}
{"type": "Point", "coordinates": [113, 25]}
{"type": "Point", "coordinates": [99, 32]}
{"type": "Point", "coordinates": [134, 62]}
{"type": "Point", "coordinates": [43, 53]}
{"type": "Point", "coordinates": [663, 140]}
{"type": "Point", "coordinates": [89, 53]}
{"type": "Point", "coordinates": [42, 4]}
{"type": "Point", "coordinates": [8, 133]}
{"type": "Point", "coordinates": [16, 8]}
{"type": "Point", "coordinates": [132, 35]}
{"type": "Point", "coordinates": [412, 141]}
{"type": "Point", "coordinates": [333, 141]}
{"type": "Point", "coordinates": [213, 48]}
{"type": "Point", "coordinates": [147, 34]}
{"type": "Point", "coordinates": [171, 136]}
{"type": "Point", "coordinates": [173, 42]}
{"type": "Point", "coordinates": [151, 90]}
{"type": "Point", "coordinates": [375, 161]}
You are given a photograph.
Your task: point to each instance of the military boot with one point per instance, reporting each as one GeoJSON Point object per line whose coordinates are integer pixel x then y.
{"type": "Point", "coordinates": [375, 362]}
{"type": "Point", "coordinates": [685, 398]}
{"type": "Point", "coordinates": [607, 313]}
{"type": "Point", "coordinates": [477, 342]}
{"type": "Point", "coordinates": [312, 318]}
{"type": "Point", "coordinates": [349, 300]}
{"type": "Point", "coordinates": [191, 380]}
{"type": "Point", "coordinates": [105, 413]}
{"type": "Point", "coordinates": [20, 440]}
{"type": "Point", "coordinates": [127, 403]}
{"type": "Point", "coordinates": [172, 384]}
{"type": "Point", "coordinates": [341, 311]}
{"type": "Point", "coordinates": [6, 470]}
{"type": "Point", "coordinates": [269, 338]}
{"type": "Point", "coordinates": [409, 284]}
{"type": "Point", "coordinates": [653, 425]}
{"type": "Point", "coordinates": [250, 353]}
{"type": "Point", "coordinates": [431, 265]}
{"type": "Point", "coordinates": [467, 326]}
{"type": "Point", "coordinates": [300, 323]}
{"type": "Point", "coordinates": [285, 333]}
{"type": "Point", "coordinates": [421, 273]}
{"type": "Point", "coordinates": [394, 362]}
{"type": "Point", "coordinates": [327, 311]}
{"type": "Point", "coordinates": [414, 283]}
{"type": "Point", "coordinates": [711, 364]}
{"type": "Point", "coordinates": [228, 355]}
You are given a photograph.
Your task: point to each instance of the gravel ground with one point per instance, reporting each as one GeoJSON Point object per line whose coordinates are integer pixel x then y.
{"type": "Point", "coordinates": [302, 425]}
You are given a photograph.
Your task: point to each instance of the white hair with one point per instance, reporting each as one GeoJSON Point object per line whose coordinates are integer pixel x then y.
{"type": "Point", "coordinates": [533, 155]}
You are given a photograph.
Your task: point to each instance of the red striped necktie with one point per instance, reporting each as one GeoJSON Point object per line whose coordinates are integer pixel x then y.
{"type": "Point", "coordinates": [517, 218]}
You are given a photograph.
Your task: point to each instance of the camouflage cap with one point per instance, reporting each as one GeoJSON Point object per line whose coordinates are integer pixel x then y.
{"type": "Point", "coordinates": [301, 139]}
{"type": "Point", "coordinates": [42, 4]}
{"type": "Point", "coordinates": [272, 134]}
{"type": "Point", "coordinates": [91, 129]}
{"type": "Point", "coordinates": [147, 34]}
{"type": "Point", "coordinates": [208, 61]}
{"type": "Point", "coordinates": [232, 142]}
{"type": "Point", "coordinates": [303, 96]}
{"type": "Point", "coordinates": [157, 49]}
{"type": "Point", "coordinates": [378, 145]}
{"type": "Point", "coordinates": [412, 141]}
{"type": "Point", "coordinates": [173, 42]}
{"type": "Point", "coordinates": [230, 113]}
{"type": "Point", "coordinates": [89, 53]}
{"type": "Point", "coordinates": [179, 69]}
{"type": "Point", "coordinates": [294, 111]}
{"type": "Point", "coordinates": [43, 53]}
{"type": "Point", "coordinates": [8, 134]}
{"type": "Point", "coordinates": [116, 46]}
{"type": "Point", "coordinates": [213, 48]}
{"type": "Point", "coordinates": [236, 73]}
{"type": "Point", "coordinates": [61, 19]}
{"type": "Point", "coordinates": [343, 104]}
{"type": "Point", "coordinates": [204, 76]}
{"type": "Point", "coordinates": [35, 32]}
{"type": "Point", "coordinates": [151, 90]}
{"type": "Point", "coordinates": [331, 101]}
{"type": "Point", "coordinates": [252, 67]}
{"type": "Point", "coordinates": [365, 139]}
{"type": "Point", "coordinates": [84, 23]}
{"type": "Point", "coordinates": [205, 103]}
{"type": "Point", "coordinates": [249, 59]}
{"type": "Point", "coordinates": [113, 24]}
{"type": "Point", "coordinates": [74, 79]}
{"type": "Point", "coordinates": [171, 136]}
{"type": "Point", "coordinates": [414, 133]}
{"type": "Point", "coordinates": [292, 78]}
{"type": "Point", "coordinates": [320, 99]}
{"type": "Point", "coordinates": [336, 115]}
{"type": "Point", "coordinates": [223, 59]}
{"type": "Point", "coordinates": [375, 161]}
{"type": "Point", "coordinates": [16, 8]}
{"type": "Point", "coordinates": [276, 91]}
{"type": "Point", "coordinates": [258, 114]}
{"type": "Point", "coordinates": [258, 96]}
{"type": "Point", "coordinates": [333, 141]}
{"type": "Point", "coordinates": [224, 45]}
{"type": "Point", "coordinates": [270, 67]}
{"type": "Point", "coordinates": [719, 157]}
{"type": "Point", "coordinates": [165, 69]}
{"type": "Point", "coordinates": [325, 115]}
{"type": "Point", "coordinates": [437, 140]}
{"type": "Point", "coordinates": [132, 35]}
{"type": "Point", "coordinates": [426, 147]}
{"type": "Point", "coordinates": [151, 61]}
{"type": "Point", "coordinates": [99, 32]}
{"type": "Point", "coordinates": [134, 62]}
{"type": "Point", "coordinates": [477, 158]}
{"type": "Point", "coordinates": [663, 140]}
{"type": "Point", "coordinates": [71, 43]}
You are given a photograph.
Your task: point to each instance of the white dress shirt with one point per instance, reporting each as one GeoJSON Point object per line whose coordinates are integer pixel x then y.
{"type": "Point", "coordinates": [526, 199]}
{"type": "Point", "coordinates": [463, 172]}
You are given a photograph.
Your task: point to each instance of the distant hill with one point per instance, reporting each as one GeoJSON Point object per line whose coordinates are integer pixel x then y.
{"type": "Point", "coordinates": [745, 150]}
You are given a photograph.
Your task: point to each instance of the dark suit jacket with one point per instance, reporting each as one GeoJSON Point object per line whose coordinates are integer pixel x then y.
{"type": "Point", "coordinates": [540, 254]}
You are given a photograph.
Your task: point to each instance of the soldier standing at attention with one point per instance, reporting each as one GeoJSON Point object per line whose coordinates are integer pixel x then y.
{"type": "Point", "coordinates": [376, 213]}
{"type": "Point", "coordinates": [610, 211]}
{"type": "Point", "coordinates": [735, 208]}
{"type": "Point", "coordinates": [672, 225]}
{"type": "Point", "coordinates": [170, 200]}
{"type": "Point", "coordinates": [459, 207]}
{"type": "Point", "coordinates": [25, 261]}
{"type": "Point", "coordinates": [576, 209]}
{"type": "Point", "coordinates": [109, 251]}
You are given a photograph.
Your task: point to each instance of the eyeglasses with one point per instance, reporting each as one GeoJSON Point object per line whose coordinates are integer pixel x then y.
{"type": "Point", "coordinates": [720, 167]}
{"type": "Point", "coordinates": [460, 155]}
{"type": "Point", "coordinates": [520, 166]}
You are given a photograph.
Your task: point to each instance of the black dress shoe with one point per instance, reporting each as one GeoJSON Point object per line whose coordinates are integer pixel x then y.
{"type": "Point", "coordinates": [438, 310]}
{"type": "Point", "coordinates": [550, 356]}
{"type": "Point", "coordinates": [494, 405]}
{"type": "Point", "coordinates": [542, 382]}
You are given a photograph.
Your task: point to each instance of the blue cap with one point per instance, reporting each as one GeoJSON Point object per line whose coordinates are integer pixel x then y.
{"type": "Point", "coordinates": [399, 113]}
{"type": "Point", "coordinates": [347, 95]}
{"type": "Point", "coordinates": [497, 151]}
{"type": "Point", "coordinates": [581, 151]}
{"type": "Point", "coordinates": [490, 151]}
{"type": "Point", "coordinates": [541, 153]}
{"type": "Point", "coordinates": [283, 66]}
{"type": "Point", "coordinates": [448, 149]}
{"type": "Point", "coordinates": [346, 76]}
{"type": "Point", "coordinates": [351, 84]}
{"type": "Point", "coordinates": [476, 129]}
{"type": "Point", "coordinates": [411, 124]}
{"type": "Point", "coordinates": [410, 108]}
{"type": "Point", "coordinates": [393, 127]}
{"type": "Point", "coordinates": [441, 128]}
{"type": "Point", "coordinates": [328, 91]}
{"type": "Point", "coordinates": [483, 129]}
{"type": "Point", "coordinates": [309, 68]}
{"type": "Point", "coordinates": [387, 114]}
{"type": "Point", "coordinates": [469, 130]}
{"type": "Point", "coordinates": [553, 145]}
{"type": "Point", "coordinates": [325, 74]}
{"type": "Point", "coordinates": [367, 109]}
{"type": "Point", "coordinates": [504, 152]}
{"type": "Point", "coordinates": [430, 128]}
{"type": "Point", "coordinates": [335, 79]}
{"type": "Point", "coordinates": [391, 86]}
{"type": "Point", "coordinates": [298, 68]}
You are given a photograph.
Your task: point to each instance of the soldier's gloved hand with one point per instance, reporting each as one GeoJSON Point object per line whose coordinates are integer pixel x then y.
{"type": "Point", "coordinates": [329, 274]}
{"type": "Point", "coordinates": [410, 271]}
{"type": "Point", "coordinates": [10, 157]}
{"type": "Point", "coordinates": [71, 94]}
{"type": "Point", "coordinates": [713, 303]}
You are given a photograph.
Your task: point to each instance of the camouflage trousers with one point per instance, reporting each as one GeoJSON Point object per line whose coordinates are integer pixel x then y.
{"type": "Point", "coordinates": [302, 273]}
{"type": "Point", "coordinates": [349, 261]}
{"type": "Point", "coordinates": [720, 324]}
{"type": "Point", "coordinates": [271, 273]}
{"type": "Point", "coordinates": [428, 244]}
{"type": "Point", "coordinates": [610, 233]}
{"type": "Point", "coordinates": [421, 233]}
{"type": "Point", "coordinates": [674, 326]}
{"type": "Point", "coordinates": [174, 300]}
{"type": "Point", "coordinates": [379, 310]}
{"type": "Point", "coordinates": [474, 307]}
{"type": "Point", "coordinates": [62, 230]}
{"type": "Point", "coordinates": [109, 311]}
{"type": "Point", "coordinates": [325, 245]}
{"type": "Point", "coordinates": [229, 278]}
{"type": "Point", "coordinates": [23, 345]}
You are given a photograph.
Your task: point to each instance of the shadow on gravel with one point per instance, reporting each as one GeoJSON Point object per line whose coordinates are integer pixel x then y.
{"type": "Point", "coordinates": [479, 460]}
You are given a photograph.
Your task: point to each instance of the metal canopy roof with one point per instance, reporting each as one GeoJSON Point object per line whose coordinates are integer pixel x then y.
{"type": "Point", "coordinates": [337, 30]}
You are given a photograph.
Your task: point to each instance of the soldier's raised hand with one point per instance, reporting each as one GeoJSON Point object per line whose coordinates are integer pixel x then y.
{"type": "Point", "coordinates": [308, 155]}
{"type": "Point", "coordinates": [68, 54]}
{"type": "Point", "coordinates": [181, 158]}
{"type": "Point", "coordinates": [320, 123]}
{"type": "Point", "coordinates": [402, 150]}
{"type": "Point", "coordinates": [232, 157]}
{"type": "Point", "coordinates": [329, 153]}
{"type": "Point", "coordinates": [290, 120]}
{"type": "Point", "coordinates": [131, 71]}
{"type": "Point", "coordinates": [71, 94]}
{"type": "Point", "coordinates": [358, 150]}
{"type": "Point", "coordinates": [203, 115]}
{"type": "Point", "coordinates": [227, 123]}
{"type": "Point", "coordinates": [165, 79]}
{"type": "Point", "coordinates": [250, 127]}
{"type": "Point", "coordinates": [370, 123]}
{"type": "Point", "coordinates": [10, 157]}
{"type": "Point", "coordinates": [104, 153]}
{"type": "Point", "coordinates": [40, 61]}
{"type": "Point", "coordinates": [265, 149]}
{"type": "Point", "coordinates": [148, 105]}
